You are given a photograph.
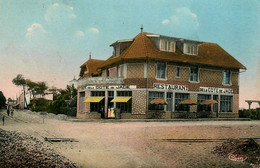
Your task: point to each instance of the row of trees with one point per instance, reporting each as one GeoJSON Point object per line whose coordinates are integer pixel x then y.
{"type": "Point", "coordinates": [64, 100]}
{"type": "Point", "coordinates": [2, 100]}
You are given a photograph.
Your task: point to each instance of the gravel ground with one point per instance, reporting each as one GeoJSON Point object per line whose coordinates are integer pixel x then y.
{"type": "Point", "coordinates": [136, 144]}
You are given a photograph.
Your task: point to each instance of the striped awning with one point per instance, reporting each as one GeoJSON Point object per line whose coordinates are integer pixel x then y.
{"type": "Point", "coordinates": [93, 99]}
{"type": "Point", "coordinates": [121, 99]}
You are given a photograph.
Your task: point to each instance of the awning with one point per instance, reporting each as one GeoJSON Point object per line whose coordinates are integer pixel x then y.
{"type": "Point", "coordinates": [121, 99]}
{"type": "Point", "coordinates": [93, 99]}
{"type": "Point", "coordinates": [209, 102]}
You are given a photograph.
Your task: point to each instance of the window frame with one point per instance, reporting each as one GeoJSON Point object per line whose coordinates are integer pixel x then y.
{"type": "Point", "coordinates": [165, 71]}
{"type": "Point", "coordinates": [178, 72]}
{"type": "Point", "coordinates": [198, 74]}
{"type": "Point", "coordinates": [167, 45]}
{"type": "Point", "coordinates": [224, 79]}
{"type": "Point", "coordinates": [191, 49]}
{"type": "Point", "coordinates": [226, 100]}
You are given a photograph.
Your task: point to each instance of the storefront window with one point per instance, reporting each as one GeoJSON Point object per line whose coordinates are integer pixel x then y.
{"type": "Point", "coordinates": [110, 98]}
{"type": "Point", "coordinates": [155, 95]}
{"type": "Point", "coordinates": [201, 98]}
{"type": "Point", "coordinates": [127, 106]}
{"type": "Point", "coordinates": [169, 100]}
{"type": "Point", "coordinates": [179, 97]}
{"type": "Point", "coordinates": [215, 106]}
{"type": "Point", "coordinates": [98, 107]}
{"type": "Point", "coordinates": [226, 103]}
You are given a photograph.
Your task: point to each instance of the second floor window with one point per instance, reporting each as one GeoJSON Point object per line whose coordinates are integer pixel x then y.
{"type": "Point", "coordinates": [107, 72]}
{"type": "Point", "coordinates": [226, 77]}
{"type": "Point", "coordinates": [178, 72]}
{"type": "Point", "coordinates": [161, 70]}
{"type": "Point", "coordinates": [194, 74]}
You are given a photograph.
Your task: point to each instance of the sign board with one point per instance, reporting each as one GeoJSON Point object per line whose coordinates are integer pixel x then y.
{"type": "Point", "coordinates": [170, 87]}
{"type": "Point", "coordinates": [112, 87]}
{"type": "Point", "coordinates": [216, 90]}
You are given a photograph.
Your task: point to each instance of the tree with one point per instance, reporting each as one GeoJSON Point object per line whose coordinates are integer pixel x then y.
{"type": "Point", "coordinates": [31, 86]}
{"type": "Point", "coordinates": [2, 100]}
{"type": "Point", "coordinates": [20, 81]}
{"type": "Point", "coordinates": [40, 88]}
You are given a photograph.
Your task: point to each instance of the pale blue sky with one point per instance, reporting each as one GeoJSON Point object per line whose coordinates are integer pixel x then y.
{"type": "Point", "coordinates": [47, 40]}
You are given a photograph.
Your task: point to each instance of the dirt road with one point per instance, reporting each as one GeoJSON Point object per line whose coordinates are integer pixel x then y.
{"type": "Point", "coordinates": [137, 144]}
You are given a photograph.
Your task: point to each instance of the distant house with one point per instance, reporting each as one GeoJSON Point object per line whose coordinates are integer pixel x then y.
{"type": "Point", "coordinates": [152, 66]}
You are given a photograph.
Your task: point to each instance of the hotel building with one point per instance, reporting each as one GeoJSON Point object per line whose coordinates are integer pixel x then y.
{"type": "Point", "coordinates": [152, 66]}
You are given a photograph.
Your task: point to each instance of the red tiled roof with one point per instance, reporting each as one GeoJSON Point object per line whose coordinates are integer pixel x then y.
{"type": "Point", "coordinates": [92, 66]}
{"type": "Point", "coordinates": [208, 54]}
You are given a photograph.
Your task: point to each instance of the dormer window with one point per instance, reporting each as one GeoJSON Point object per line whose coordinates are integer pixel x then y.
{"type": "Point", "coordinates": [167, 45]}
{"type": "Point", "coordinates": [116, 50]}
{"type": "Point", "coordinates": [191, 49]}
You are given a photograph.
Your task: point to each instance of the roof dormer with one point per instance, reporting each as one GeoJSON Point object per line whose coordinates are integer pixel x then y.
{"type": "Point", "coordinates": [120, 45]}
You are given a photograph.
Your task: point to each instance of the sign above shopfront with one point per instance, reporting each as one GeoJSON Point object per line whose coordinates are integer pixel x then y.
{"type": "Point", "coordinates": [112, 87]}
{"type": "Point", "coordinates": [170, 87]}
{"type": "Point", "coordinates": [216, 90]}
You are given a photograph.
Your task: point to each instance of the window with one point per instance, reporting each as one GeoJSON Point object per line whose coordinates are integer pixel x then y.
{"type": "Point", "coordinates": [226, 103]}
{"type": "Point", "coordinates": [179, 97]}
{"type": "Point", "coordinates": [155, 95]}
{"type": "Point", "coordinates": [194, 74]}
{"type": "Point", "coordinates": [125, 107]}
{"type": "Point", "coordinates": [191, 49]}
{"type": "Point", "coordinates": [200, 99]}
{"type": "Point", "coordinates": [169, 100]}
{"type": "Point", "coordinates": [161, 70]}
{"type": "Point", "coordinates": [167, 45]}
{"type": "Point", "coordinates": [215, 106]}
{"type": "Point", "coordinates": [119, 71]}
{"type": "Point", "coordinates": [110, 97]}
{"type": "Point", "coordinates": [98, 107]}
{"type": "Point", "coordinates": [81, 100]}
{"type": "Point", "coordinates": [107, 72]}
{"type": "Point", "coordinates": [226, 77]}
{"type": "Point", "coordinates": [178, 72]}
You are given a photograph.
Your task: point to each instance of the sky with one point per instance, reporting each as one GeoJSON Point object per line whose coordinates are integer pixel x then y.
{"type": "Point", "coordinates": [48, 40]}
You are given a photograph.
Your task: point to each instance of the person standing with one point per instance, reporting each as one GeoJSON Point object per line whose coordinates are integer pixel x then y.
{"type": "Point", "coordinates": [3, 119]}
{"type": "Point", "coordinates": [8, 110]}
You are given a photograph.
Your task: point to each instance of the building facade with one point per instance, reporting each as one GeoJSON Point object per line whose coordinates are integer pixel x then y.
{"type": "Point", "coordinates": [152, 66]}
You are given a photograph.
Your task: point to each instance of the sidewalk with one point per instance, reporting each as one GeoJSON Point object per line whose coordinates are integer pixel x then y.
{"type": "Point", "coordinates": [158, 120]}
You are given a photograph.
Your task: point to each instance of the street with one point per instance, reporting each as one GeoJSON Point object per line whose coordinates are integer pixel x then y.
{"type": "Point", "coordinates": [135, 144]}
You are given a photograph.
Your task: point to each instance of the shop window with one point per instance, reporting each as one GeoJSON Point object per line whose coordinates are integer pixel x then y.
{"type": "Point", "coordinates": [178, 72]}
{"type": "Point", "coordinates": [110, 97]}
{"type": "Point", "coordinates": [194, 74]}
{"type": "Point", "coordinates": [226, 103]}
{"type": "Point", "coordinates": [155, 95]}
{"type": "Point", "coordinates": [179, 97]}
{"type": "Point", "coordinates": [215, 106]}
{"type": "Point", "coordinates": [200, 99]}
{"type": "Point", "coordinates": [169, 99]}
{"type": "Point", "coordinates": [226, 77]}
{"type": "Point", "coordinates": [127, 106]}
{"type": "Point", "coordinates": [161, 70]}
{"type": "Point", "coordinates": [98, 107]}
{"type": "Point", "coordinates": [81, 101]}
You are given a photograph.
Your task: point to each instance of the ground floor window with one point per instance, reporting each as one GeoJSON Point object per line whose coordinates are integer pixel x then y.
{"type": "Point", "coordinates": [200, 99]}
{"type": "Point", "coordinates": [169, 99]}
{"type": "Point", "coordinates": [110, 97]}
{"type": "Point", "coordinates": [179, 97]}
{"type": "Point", "coordinates": [226, 103]}
{"type": "Point", "coordinates": [81, 101]}
{"type": "Point", "coordinates": [98, 107]}
{"type": "Point", "coordinates": [125, 107]}
{"type": "Point", "coordinates": [215, 106]}
{"type": "Point", "coordinates": [155, 95]}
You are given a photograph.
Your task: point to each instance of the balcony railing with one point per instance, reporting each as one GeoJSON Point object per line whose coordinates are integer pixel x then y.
{"type": "Point", "coordinates": [99, 80]}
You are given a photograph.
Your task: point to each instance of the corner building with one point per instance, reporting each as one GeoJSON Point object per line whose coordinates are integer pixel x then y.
{"type": "Point", "coordinates": [152, 66]}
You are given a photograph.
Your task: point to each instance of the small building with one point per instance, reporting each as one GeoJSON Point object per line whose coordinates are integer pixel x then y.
{"type": "Point", "coordinates": [152, 66]}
